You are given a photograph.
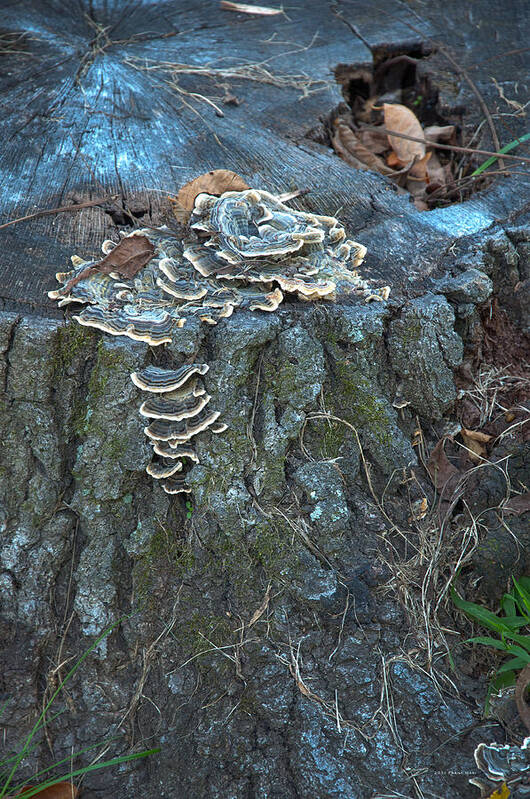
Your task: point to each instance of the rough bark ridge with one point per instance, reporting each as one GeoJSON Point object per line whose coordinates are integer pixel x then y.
{"type": "Point", "coordinates": [263, 654]}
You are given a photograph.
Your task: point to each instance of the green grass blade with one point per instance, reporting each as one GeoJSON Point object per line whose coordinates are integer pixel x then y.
{"type": "Point", "coordinates": [508, 606]}
{"type": "Point", "coordinates": [39, 774]}
{"type": "Point", "coordinates": [86, 769]}
{"type": "Point", "coordinates": [4, 763]}
{"type": "Point", "coordinates": [514, 649]}
{"type": "Point", "coordinates": [513, 663]}
{"type": "Point", "coordinates": [515, 622]}
{"type": "Point", "coordinates": [42, 716]}
{"type": "Point", "coordinates": [522, 640]}
{"type": "Point", "coordinates": [524, 598]}
{"type": "Point", "coordinates": [524, 582]}
{"type": "Point", "coordinates": [480, 614]}
{"type": "Point", "coordinates": [505, 149]}
{"type": "Point", "coordinates": [486, 641]}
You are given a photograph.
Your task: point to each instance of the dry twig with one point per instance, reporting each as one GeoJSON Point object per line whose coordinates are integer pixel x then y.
{"type": "Point", "coordinates": [63, 208]}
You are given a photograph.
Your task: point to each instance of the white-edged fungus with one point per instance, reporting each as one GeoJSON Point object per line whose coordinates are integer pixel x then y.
{"type": "Point", "coordinates": [504, 763]}
{"type": "Point", "coordinates": [244, 249]}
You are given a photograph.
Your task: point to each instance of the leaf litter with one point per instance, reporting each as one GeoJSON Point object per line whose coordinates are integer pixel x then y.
{"type": "Point", "coordinates": [411, 163]}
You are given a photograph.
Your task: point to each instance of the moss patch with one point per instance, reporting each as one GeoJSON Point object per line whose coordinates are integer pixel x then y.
{"type": "Point", "coordinates": [86, 414]}
{"type": "Point", "coordinates": [71, 342]}
{"type": "Point", "coordinates": [356, 400]}
{"type": "Point", "coordinates": [333, 437]}
{"type": "Point", "coordinates": [166, 552]}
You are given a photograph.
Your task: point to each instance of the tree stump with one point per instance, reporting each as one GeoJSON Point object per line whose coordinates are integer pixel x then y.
{"type": "Point", "coordinates": [271, 639]}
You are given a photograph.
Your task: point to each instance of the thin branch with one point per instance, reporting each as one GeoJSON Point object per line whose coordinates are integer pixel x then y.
{"type": "Point", "coordinates": [477, 94]}
{"type": "Point", "coordinates": [51, 211]}
{"type": "Point", "coordinates": [439, 146]}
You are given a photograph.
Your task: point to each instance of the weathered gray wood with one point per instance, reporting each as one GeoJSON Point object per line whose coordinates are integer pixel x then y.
{"type": "Point", "coordinates": [79, 122]}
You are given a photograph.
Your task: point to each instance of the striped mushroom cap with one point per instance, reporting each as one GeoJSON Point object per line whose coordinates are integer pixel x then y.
{"type": "Point", "coordinates": [502, 762]}
{"type": "Point", "coordinates": [161, 381]}
{"type": "Point", "coordinates": [244, 250]}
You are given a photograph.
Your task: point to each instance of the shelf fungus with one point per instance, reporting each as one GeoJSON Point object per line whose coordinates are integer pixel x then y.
{"type": "Point", "coordinates": [243, 250]}
{"type": "Point", "coordinates": [502, 763]}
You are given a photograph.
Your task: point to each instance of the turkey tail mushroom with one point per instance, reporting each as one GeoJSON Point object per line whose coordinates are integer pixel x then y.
{"type": "Point", "coordinates": [245, 249]}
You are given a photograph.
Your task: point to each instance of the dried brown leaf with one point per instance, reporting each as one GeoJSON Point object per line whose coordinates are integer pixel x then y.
{"type": "Point", "coordinates": [215, 182]}
{"type": "Point", "coordinates": [441, 471]}
{"type": "Point", "coordinates": [475, 449]}
{"type": "Point", "coordinates": [344, 153]}
{"type": "Point", "coordinates": [402, 120]}
{"type": "Point", "coordinates": [61, 790]}
{"type": "Point", "coordinates": [419, 509]}
{"type": "Point", "coordinates": [262, 608]}
{"type": "Point", "coordinates": [374, 140]}
{"type": "Point", "coordinates": [244, 8]}
{"type": "Point", "coordinates": [366, 112]}
{"type": "Point", "coordinates": [127, 258]}
{"type": "Point", "coordinates": [347, 144]}
{"type": "Point", "coordinates": [444, 134]}
{"type": "Point", "coordinates": [393, 161]}
{"type": "Point", "coordinates": [518, 504]}
{"type": "Point", "coordinates": [475, 441]}
{"type": "Point", "coordinates": [419, 168]}
{"type": "Point", "coordinates": [435, 171]}
{"type": "Point", "coordinates": [477, 435]}
{"type": "Point", "coordinates": [417, 189]}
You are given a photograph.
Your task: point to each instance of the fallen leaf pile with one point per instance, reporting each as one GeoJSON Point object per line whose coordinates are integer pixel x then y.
{"type": "Point", "coordinates": [448, 480]}
{"type": "Point", "coordinates": [411, 163]}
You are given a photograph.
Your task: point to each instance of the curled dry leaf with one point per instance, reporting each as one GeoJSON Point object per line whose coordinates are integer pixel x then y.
{"type": "Point", "coordinates": [518, 504]}
{"type": "Point", "coordinates": [419, 509]}
{"type": "Point", "coordinates": [442, 473]}
{"type": "Point", "coordinates": [244, 8]}
{"type": "Point", "coordinates": [475, 441]}
{"type": "Point", "coordinates": [367, 111]}
{"type": "Point", "coordinates": [215, 182]}
{"type": "Point", "coordinates": [401, 119]}
{"type": "Point", "coordinates": [419, 168]}
{"type": "Point", "coordinates": [392, 160]}
{"type": "Point", "coordinates": [262, 608]}
{"type": "Point", "coordinates": [126, 258]}
{"type": "Point", "coordinates": [435, 171]}
{"type": "Point", "coordinates": [440, 133]}
{"type": "Point", "coordinates": [61, 790]}
{"type": "Point", "coordinates": [374, 140]}
{"type": "Point", "coordinates": [347, 144]}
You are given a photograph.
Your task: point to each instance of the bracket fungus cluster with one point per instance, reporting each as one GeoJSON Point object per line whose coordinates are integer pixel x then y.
{"type": "Point", "coordinates": [244, 249]}
{"type": "Point", "coordinates": [502, 763]}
